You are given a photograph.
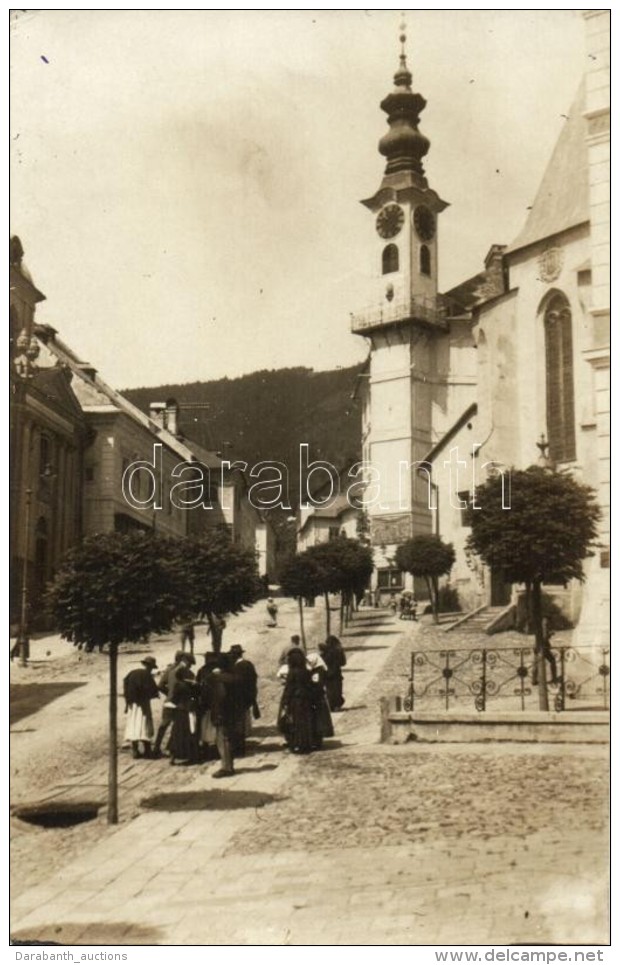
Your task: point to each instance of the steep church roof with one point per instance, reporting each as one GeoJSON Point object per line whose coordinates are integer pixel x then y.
{"type": "Point", "coordinates": [562, 201]}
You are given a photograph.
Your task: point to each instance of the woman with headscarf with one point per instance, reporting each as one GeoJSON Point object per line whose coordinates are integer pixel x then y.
{"type": "Point", "coordinates": [323, 726]}
{"type": "Point", "coordinates": [296, 719]}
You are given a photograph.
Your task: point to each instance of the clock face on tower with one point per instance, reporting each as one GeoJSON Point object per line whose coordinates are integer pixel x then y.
{"type": "Point", "coordinates": [390, 220]}
{"type": "Point", "coordinates": [424, 221]}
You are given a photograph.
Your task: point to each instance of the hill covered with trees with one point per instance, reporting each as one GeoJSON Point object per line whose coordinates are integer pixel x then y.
{"type": "Point", "coordinates": [267, 415]}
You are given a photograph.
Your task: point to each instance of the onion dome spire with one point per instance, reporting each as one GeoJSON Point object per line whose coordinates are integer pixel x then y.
{"type": "Point", "coordinates": [403, 145]}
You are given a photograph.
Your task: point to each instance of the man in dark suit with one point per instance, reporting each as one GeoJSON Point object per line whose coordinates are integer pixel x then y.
{"type": "Point", "coordinates": [247, 680]}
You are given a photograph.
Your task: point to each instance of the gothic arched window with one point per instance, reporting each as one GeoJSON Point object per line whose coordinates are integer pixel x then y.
{"type": "Point", "coordinates": [425, 260]}
{"type": "Point", "coordinates": [559, 376]}
{"type": "Point", "coordinates": [389, 259]}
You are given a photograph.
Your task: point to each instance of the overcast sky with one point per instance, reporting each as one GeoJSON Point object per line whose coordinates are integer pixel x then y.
{"type": "Point", "coordinates": [186, 184]}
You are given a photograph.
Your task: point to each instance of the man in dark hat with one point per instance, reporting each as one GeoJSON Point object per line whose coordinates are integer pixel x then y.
{"type": "Point", "coordinates": [139, 688]}
{"type": "Point", "coordinates": [247, 679]}
{"type": "Point", "coordinates": [220, 695]}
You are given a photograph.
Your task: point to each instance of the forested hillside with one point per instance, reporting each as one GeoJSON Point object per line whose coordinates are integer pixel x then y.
{"type": "Point", "coordinates": [268, 414]}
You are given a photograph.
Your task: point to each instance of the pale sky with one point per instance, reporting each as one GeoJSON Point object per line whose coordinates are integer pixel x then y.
{"type": "Point", "coordinates": [186, 184]}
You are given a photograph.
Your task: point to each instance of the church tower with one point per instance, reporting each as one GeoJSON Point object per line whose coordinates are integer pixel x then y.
{"type": "Point", "coordinates": [404, 327]}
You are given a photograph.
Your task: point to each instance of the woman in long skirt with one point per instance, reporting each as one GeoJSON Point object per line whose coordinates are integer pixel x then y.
{"type": "Point", "coordinates": [183, 745]}
{"type": "Point", "coordinates": [334, 656]}
{"type": "Point", "coordinates": [297, 717]}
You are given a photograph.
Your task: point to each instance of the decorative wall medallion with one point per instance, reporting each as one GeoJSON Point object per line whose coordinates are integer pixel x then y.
{"type": "Point", "coordinates": [550, 264]}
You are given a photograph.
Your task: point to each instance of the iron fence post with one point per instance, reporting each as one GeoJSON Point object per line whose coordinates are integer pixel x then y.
{"type": "Point", "coordinates": [484, 679]}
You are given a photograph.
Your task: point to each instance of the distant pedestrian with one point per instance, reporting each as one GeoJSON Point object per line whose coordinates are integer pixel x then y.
{"type": "Point", "coordinates": [335, 659]}
{"type": "Point", "coordinates": [272, 611]}
{"type": "Point", "coordinates": [139, 688]}
{"type": "Point", "coordinates": [215, 630]}
{"type": "Point", "coordinates": [188, 635]}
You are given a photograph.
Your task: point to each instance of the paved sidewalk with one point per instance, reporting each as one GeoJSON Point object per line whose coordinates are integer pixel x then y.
{"type": "Point", "coordinates": [157, 854]}
{"type": "Point", "coordinates": [177, 876]}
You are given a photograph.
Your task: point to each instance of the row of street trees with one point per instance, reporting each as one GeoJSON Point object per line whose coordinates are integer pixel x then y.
{"type": "Point", "coordinates": [121, 588]}
{"type": "Point", "coordinates": [340, 565]}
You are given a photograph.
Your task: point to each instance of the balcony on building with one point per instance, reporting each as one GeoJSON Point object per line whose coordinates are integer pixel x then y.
{"type": "Point", "coordinates": [413, 309]}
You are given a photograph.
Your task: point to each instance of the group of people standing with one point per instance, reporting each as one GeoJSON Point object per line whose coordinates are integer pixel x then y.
{"type": "Point", "coordinates": [211, 711]}
{"type": "Point", "coordinates": [212, 708]}
{"type": "Point", "coordinates": [312, 690]}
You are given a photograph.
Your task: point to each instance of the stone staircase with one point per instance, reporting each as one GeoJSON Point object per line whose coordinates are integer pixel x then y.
{"type": "Point", "coordinates": [482, 620]}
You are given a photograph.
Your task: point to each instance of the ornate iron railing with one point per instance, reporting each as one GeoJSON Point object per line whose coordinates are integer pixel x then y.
{"type": "Point", "coordinates": [466, 678]}
{"type": "Point", "coordinates": [411, 308]}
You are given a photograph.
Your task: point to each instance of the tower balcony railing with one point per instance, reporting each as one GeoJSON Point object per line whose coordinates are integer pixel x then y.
{"type": "Point", "coordinates": [423, 310]}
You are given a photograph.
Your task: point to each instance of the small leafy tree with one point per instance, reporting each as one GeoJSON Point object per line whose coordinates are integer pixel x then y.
{"type": "Point", "coordinates": [344, 566]}
{"type": "Point", "coordinates": [426, 555]}
{"type": "Point", "coordinates": [300, 577]}
{"type": "Point", "coordinates": [356, 565]}
{"type": "Point", "coordinates": [219, 577]}
{"type": "Point", "coordinates": [112, 589]}
{"type": "Point", "coordinates": [544, 537]}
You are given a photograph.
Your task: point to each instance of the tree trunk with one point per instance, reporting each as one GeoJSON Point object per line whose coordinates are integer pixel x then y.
{"type": "Point", "coordinates": [217, 632]}
{"type": "Point", "coordinates": [302, 630]}
{"type": "Point", "coordinates": [328, 625]}
{"type": "Point", "coordinates": [539, 649]}
{"type": "Point", "coordinates": [112, 742]}
{"type": "Point", "coordinates": [342, 605]}
{"type": "Point", "coordinates": [528, 608]}
{"type": "Point", "coordinates": [431, 598]}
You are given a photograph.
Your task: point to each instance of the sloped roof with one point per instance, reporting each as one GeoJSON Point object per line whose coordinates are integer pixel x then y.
{"type": "Point", "coordinates": [562, 201]}
{"type": "Point", "coordinates": [332, 510]}
{"type": "Point", "coordinates": [447, 437]}
{"type": "Point", "coordinates": [464, 296]}
{"type": "Point", "coordinates": [94, 394]}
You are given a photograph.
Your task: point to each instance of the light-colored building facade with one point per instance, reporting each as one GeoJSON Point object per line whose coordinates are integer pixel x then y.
{"type": "Point", "coordinates": [421, 372]}
{"type": "Point", "coordinates": [322, 523]}
{"type": "Point", "coordinates": [128, 460]}
{"type": "Point", "coordinates": [518, 352]}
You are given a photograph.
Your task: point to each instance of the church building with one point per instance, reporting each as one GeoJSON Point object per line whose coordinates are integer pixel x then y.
{"type": "Point", "coordinates": [509, 368]}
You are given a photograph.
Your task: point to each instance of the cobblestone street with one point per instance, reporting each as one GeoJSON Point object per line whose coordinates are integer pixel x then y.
{"type": "Point", "coordinates": [361, 843]}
